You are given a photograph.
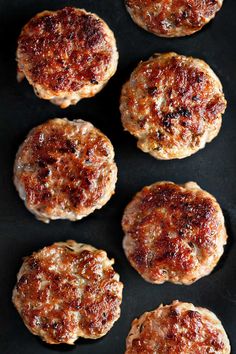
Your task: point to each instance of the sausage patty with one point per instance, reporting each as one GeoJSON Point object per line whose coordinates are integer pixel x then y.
{"type": "Point", "coordinates": [66, 55]}
{"type": "Point", "coordinates": [173, 233]}
{"type": "Point", "coordinates": [168, 18]}
{"type": "Point", "coordinates": [179, 328]}
{"type": "Point", "coordinates": [66, 291]}
{"type": "Point", "coordinates": [173, 104]}
{"type": "Point", "coordinates": [65, 170]}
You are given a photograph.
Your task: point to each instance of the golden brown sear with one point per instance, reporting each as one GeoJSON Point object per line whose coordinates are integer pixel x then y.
{"type": "Point", "coordinates": [172, 18]}
{"type": "Point", "coordinates": [173, 105]}
{"type": "Point", "coordinates": [173, 233]}
{"type": "Point", "coordinates": [66, 55]}
{"type": "Point", "coordinates": [65, 170]}
{"type": "Point", "coordinates": [179, 328]}
{"type": "Point", "coordinates": [66, 291]}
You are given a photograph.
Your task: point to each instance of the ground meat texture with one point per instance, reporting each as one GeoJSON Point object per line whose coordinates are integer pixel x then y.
{"type": "Point", "coordinates": [173, 233]}
{"type": "Point", "coordinates": [66, 291]}
{"type": "Point", "coordinates": [66, 55]}
{"type": "Point", "coordinates": [65, 170]}
{"type": "Point", "coordinates": [179, 328]}
{"type": "Point", "coordinates": [173, 18]}
{"type": "Point", "coordinates": [173, 105]}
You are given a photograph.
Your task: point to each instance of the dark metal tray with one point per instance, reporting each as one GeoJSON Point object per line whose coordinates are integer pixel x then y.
{"type": "Point", "coordinates": [213, 168]}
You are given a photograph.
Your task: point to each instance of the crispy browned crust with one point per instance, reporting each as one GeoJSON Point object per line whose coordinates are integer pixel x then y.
{"type": "Point", "coordinates": [168, 18]}
{"type": "Point", "coordinates": [66, 51]}
{"type": "Point", "coordinates": [65, 169]}
{"type": "Point", "coordinates": [173, 233]}
{"type": "Point", "coordinates": [179, 328]}
{"type": "Point", "coordinates": [66, 291]}
{"type": "Point", "coordinates": [173, 104]}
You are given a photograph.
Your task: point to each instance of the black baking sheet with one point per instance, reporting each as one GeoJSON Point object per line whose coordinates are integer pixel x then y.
{"type": "Point", "coordinates": [212, 168]}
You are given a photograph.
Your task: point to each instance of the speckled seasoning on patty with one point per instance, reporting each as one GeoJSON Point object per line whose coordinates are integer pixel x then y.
{"type": "Point", "coordinates": [173, 233]}
{"type": "Point", "coordinates": [173, 18]}
{"type": "Point", "coordinates": [65, 170]}
{"type": "Point", "coordinates": [66, 55]}
{"type": "Point", "coordinates": [179, 328]}
{"type": "Point", "coordinates": [173, 105]}
{"type": "Point", "coordinates": [66, 291]}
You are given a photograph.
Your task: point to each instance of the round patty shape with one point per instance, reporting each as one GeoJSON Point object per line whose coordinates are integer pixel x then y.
{"type": "Point", "coordinates": [172, 18]}
{"type": "Point", "coordinates": [173, 233]}
{"type": "Point", "coordinates": [179, 328]}
{"type": "Point", "coordinates": [65, 170]}
{"type": "Point", "coordinates": [66, 55]}
{"type": "Point", "coordinates": [173, 104]}
{"type": "Point", "coordinates": [66, 291]}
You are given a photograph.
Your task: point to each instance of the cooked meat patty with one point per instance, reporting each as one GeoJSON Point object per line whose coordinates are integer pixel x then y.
{"type": "Point", "coordinates": [66, 291]}
{"type": "Point", "coordinates": [168, 18]}
{"type": "Point", "coordinates": [173, 233]}
{"type": "Point", "coordinates": [179, 328]}
{"type": "Point", "coordinates": [65, 170]}
{"type": "Point", "coordinates": [66, 55]}
{"type": "Point", "coordinates": [173, 104]}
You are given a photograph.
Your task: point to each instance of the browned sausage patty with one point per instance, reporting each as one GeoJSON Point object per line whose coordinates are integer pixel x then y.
{"type": "Point", "coordinates": [66, 55]}
{"type": "Point", "coordinates": [173, 233]}
{"type": "Point", "coordinates": [66, 291]}
{"type": "Point", "coordinates": [173, 104]}
{"type": "Point", "coordinates": [65, 170]}
{"type": "Point", "coordinates": [179, 328]}
{"type": "Point", "coordinates": [173, 18]}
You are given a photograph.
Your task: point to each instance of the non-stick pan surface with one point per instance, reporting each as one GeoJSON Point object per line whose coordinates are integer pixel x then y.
{"type": "Point", "coordinates": [213, 168]}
